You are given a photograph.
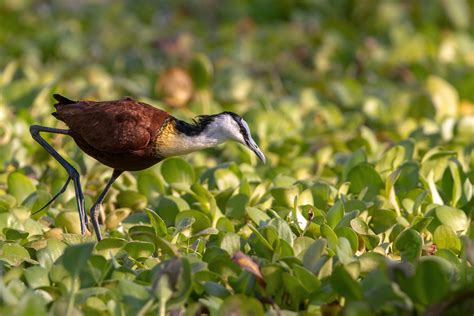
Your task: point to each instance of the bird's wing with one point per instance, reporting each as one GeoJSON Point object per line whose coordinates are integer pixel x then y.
{"type": "Point", "coordinates": [113, 126]}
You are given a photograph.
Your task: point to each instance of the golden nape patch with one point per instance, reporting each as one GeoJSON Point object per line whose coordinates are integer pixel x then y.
{"type": "Point", "coordinates": [165, 138]}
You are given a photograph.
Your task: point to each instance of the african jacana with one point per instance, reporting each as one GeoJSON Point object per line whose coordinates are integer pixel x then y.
{"type": "Point", "coordinates": [128, 135]}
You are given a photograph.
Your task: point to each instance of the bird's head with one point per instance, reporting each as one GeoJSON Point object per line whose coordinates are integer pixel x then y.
{"type": "Point", "coordinates": [229, 126]}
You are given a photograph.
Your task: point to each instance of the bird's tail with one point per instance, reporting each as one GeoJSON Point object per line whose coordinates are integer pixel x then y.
{"type": "Point", "coordinates": [62, 100]}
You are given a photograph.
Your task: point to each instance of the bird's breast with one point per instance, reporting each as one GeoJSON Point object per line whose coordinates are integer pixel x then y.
{"type": "Point", "coordinates": [170, 142]}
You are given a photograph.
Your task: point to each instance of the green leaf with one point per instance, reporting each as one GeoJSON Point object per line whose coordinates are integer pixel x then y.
{"type": "Point", "coordinates": [226, 179]}
{"type": "Point", "coordinates": [431, 282]}
{"type": "Point", "coordinates": [313, 258]}
{"type": "Point", "coordinates": [157, 223]}
{"type": "Point", "coordinates": [410, 244]}
{"type": "Point", "coordinates": [131, 199]}
{"type": "Point", "coordinates": [69, 221]}
{"type": "Point", "coordinates": [364, 176]}
{"type": "Point", "coordinates": [256, 215]}
{"type": "Point", "coordinates": [236, 206]}
{"type": "Point", "coordinates": [36, 277]}
{"type": "Point", "coordinates": [14, 254]}
{"type": "Point", "coordinates": [139, 249]}
{"type": "Point", "coordinates": [231, 243]}
{"type": "Point", "coordinates": [201, 71]}
{"type": "Point", "coordinates": [169, 206]}
{"type": "Point", "coordinates": [445, 238]}
{"type": "Point", "coordinates": [335, 214]}
{"type": "Point", "coordinates": [20, 186]}
{"type": "Point", "coordinates": [110, 245]}
{"type": "Point", "coordinates": [330, 235]}
{"type": "Point", "coordinates": [453, 217]}
{"type": "Point", "coordinates": [76, 256]}
{"type": "Point", "coordinates": [345, 285]}
{"type": "Point", "coordinates": [150, 185]}
{"type": "Point", "coordinates": [200, 220]}
{"type": "Point", "coordinates": [284, 196]}
{"type": "Point", "coordinates": [241, 305]}
{"type": "Point", "coordinates": [344, 251]}
{"type": "Point", "coordinates": [177, 171]}
{"type": "Point", "coordinates": [359, 156]}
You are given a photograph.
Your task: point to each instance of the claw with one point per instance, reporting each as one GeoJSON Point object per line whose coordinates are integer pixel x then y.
{"type": "Point", "coordinates": [54, 197]}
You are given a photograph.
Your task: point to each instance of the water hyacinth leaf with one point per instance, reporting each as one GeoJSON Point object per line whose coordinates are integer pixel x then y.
{"type": "Point", "coordinates": [443, 95]}
{"type": "Point", "coordinates": [257, 216]}
{"type": "Point", "coordinates": [445, 238]}
{"type": "Point", "coordinates": [345, 285]}
{"type": "Point", "coordinates": [226, 179]}
{"type": "Point", "coordinates": [177, 171]}
{"type": "Point", "coordinates": [330, 235]}
{"type": "Point", "coordinates": [76, 256]}
{"type": "Point", "coordinates": [69, 222]}
{"type": "Point", "coordinates": [309, 281]}
{"type": "Point", "coordinates": [169, 206]}
{"type": "Point", "coordinates": [350, 235]}
{"type": "Point", "coordinates": [456, 182]}
{"type": "Point", "coordinates": [431, 282]}
{"type": "Point", "coordinates": [335, 214]}
{"type": "Point", "coordinates": [300, 245]}
{"type": "Point", "coordinates": [142, 233]}
{"type": "Point", "coordinates": [150, 185]}
{"type": "Point", "coordinates": [241, 305]}
{"type": "Point", "coordinates": [284, 196]}
{"type": "Point", "coordinates": [391, 160]}
{"type": "Point", "coordinates": [420, 223]}
{"type": "Point", "coordinates": [139, 249]}
{"type": "Point", "coordinates": [201, 220]}
{"type": "Point", "coordinates": [15, 234]}
{"type": "Point", "coordinates": [215, 289]}
{"type": "Point", "coordinates": [6, 202]}
{"type": "Point", "coordinates": [230, 243]}
{"type": "Point", "coordinates": [283, 230]}
{"type": "Point", "coordinates": [364, 176]}
{"type": "Point", "coordinates": [157, 223]}
{"type": "Point", "coordinates": [359, 156]}
{"type": "Point", "coordinates": [37, 277]}
{"type": "Point", "coordinates": [409, 243]}
{"type": "Point", "coordinates": [449, 255]}
{"type": "Point", "coordinates": [453, 217]}
{"type": "Point", "coordinates": [134, 295]}
{"type": "Point", "coordinates": [312, 259]}
{"type": "Point", "coordinates": [19, 186]}
{"type": "Point", "coordinates": [360, 227]}
{"type": "Point", "coordinates": [110, 245]}
{"type": "Point", "coordinates": [201, 71]}
{"type": "Point", "coordinates": [14, 254]}
{"type": "Point", "coordinates": [435, 161]}
{"type": "Point", "coordinates": [236, 206]}
{"type": "Point", "coordinates": [115, 218]}
{"type": "Point", "coordinates": [344, 251]}
{"type": "Point", "coordinates": [382, 220]}
{"type": "Point", "coordinates": [131, 199]}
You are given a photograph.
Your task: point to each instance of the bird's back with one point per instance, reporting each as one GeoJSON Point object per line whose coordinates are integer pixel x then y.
{"type": "Point", "coordinates": [120, 133]}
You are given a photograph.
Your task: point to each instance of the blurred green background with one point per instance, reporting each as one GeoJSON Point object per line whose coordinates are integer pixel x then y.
{"type": "Point", "coordinates": [364, 109]}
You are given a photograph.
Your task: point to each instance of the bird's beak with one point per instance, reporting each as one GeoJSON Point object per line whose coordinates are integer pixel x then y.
{"type": "Point", "coordinates": [254, 147]}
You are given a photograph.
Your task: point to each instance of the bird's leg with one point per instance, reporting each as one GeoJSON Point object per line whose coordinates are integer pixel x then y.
{"type": "Point", "coordinates": [73, 174]}
{"type": "Point", "coordinates": [94, 213]}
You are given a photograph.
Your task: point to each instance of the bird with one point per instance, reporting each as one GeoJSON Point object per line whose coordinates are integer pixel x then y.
{"type": "Point", "coordinates": [128, 135]}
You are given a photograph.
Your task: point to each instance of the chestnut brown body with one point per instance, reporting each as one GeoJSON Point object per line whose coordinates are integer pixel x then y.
{"type": "Point", "coordinates": [120, 134]}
